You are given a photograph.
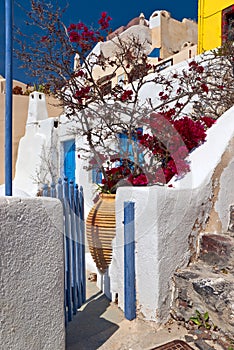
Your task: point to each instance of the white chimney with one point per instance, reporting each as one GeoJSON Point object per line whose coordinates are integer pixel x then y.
{"type": "Point", "coordinates": [37, 109]}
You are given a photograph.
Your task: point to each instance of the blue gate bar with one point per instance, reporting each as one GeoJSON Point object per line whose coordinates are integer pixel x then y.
{"type": "Point", "coordinates": [67, 248]}
{"type": "Point", "coordinates": [78, 247]}
{"type": "Point", "coordinates": [8, 100]}
{"type": "Point", "coordinates": [82, 231]}
{"type": "Point", "coordinates": [129, 261]}
{"type": "Point", "coordinates": [73, 247]}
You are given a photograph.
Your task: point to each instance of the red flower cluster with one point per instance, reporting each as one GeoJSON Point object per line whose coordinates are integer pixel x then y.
{"type": "Point", "coordinates": [84, 37]}
{"type": "Point", "coordinates": [152, 143]}
{"type": "Point", "coordinates": [44, 38]}
{"type": "Point", "coordinates": [122, 172]}
{"type": "Point", "coordinates": [140, 180]}
{"type": "Point", "coordinates": [194, 66]}
{"type": "Point", "coordinates": [172, 141]}
{"type": "Point", "coordinates": [80, 34]}
{"type": "Point", "coordinates": [208, 121]}
{"type": "Point", "coordinates": [205, 88]}
{"type": "Point", "coordinates": [126, 95]}
{"type": "Point", "coordinates": [80, 73]}
{"type": "Point", "coordinates": [104, 21]}
{"type": "Point", "coordinates": [82, 93]}
{"type": "Point", "coordinates": [192, 132]}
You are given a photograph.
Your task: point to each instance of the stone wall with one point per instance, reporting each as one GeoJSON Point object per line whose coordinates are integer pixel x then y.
{"type": "Point", "coordinates": [32, 277]}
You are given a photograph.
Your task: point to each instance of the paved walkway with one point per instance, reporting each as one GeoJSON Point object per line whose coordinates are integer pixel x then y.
{"type": "Point", "coordinates": [100, 324]}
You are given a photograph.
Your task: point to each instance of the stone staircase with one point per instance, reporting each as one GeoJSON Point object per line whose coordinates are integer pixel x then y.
{"type": "Point", "coordinates": [207, 285]}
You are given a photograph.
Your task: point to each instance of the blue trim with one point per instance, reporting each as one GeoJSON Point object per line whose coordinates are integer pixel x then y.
{"type": "Point", "coordinates": [8, 100]}
{"type": "Point", "coordinates": [155, 52]}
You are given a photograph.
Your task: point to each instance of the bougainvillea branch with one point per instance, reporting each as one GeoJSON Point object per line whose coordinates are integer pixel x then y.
{"type": "Point", "coordinates": [181, 105]}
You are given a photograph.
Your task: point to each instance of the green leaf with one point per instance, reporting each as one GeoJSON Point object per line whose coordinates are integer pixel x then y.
{"type": "Point", "coordinates": [198, 313]}
{"type": "Point", "coordinates": [196, 321]}
{"type": "Point", "coordinates": [206, 316]}
{"type": "Point", "coordinates": [207, 325]}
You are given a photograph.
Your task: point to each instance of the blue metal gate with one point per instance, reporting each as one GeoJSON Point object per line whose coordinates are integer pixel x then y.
{"type": "Point", "coordinates": [74, 243]}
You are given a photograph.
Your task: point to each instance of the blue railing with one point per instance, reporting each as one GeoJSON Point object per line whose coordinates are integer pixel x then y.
{"type": "Point", "coordinates": [72, 199]}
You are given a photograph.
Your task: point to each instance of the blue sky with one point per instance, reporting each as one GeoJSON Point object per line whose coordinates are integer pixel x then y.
{"type": "Point", "coordinates": [88, 11]}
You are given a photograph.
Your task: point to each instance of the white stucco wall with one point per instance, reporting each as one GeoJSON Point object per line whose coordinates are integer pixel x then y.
{"type": "Point", "coordinates": [204, 159]}
{"type": "Point", "coordinates": [141, 32]}
{"type": "Point", "coordinates": [31, 153]}
{"type": "Point", "coordinates": [169, 220]}
{"type": "Point", "coordinates": [226, 194]}
{"type": "Point", "coordinates": [218, 150]}
{"type": "Point", "coordinates": [164, 220]}
{"type": "Point", "coordinates": [32, 277]}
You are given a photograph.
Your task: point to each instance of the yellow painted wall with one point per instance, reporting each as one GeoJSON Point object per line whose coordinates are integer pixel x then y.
{"type": "Point", "coordinates": [210, 23]}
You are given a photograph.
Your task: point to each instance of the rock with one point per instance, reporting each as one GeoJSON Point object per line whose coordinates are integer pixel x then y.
{"type": "Point", "coordinates": [216, 249]}
{"type": "Point", "coordinates": [189, 338]}
{"type": "Point", "coordinates": [202, 345]}
{"type": "Point", "coordinates": [197, 292]}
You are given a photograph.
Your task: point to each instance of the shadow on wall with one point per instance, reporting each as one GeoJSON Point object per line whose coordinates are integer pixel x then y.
{"type": "Point", "coordinates": [89, 330]}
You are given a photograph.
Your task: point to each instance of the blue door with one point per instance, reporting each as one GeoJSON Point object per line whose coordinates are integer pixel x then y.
{"type": "Point", "coordinates": [69, 159]}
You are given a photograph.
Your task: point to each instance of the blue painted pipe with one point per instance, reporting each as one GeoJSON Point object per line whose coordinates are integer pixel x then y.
{"type": "Point", "coordinates": [8, 100]}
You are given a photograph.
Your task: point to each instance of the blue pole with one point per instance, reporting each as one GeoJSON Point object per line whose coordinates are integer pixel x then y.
{"type": "Point", "coordinates": [8, 100]}
{"type": "Point", "coordinates": [129, 261]}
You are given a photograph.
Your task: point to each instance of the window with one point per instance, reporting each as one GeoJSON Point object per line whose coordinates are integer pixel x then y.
{"type": "Point", "coordinates": [126, 148]}
{"type": "Point", "coordinates": [228, 24]}
{"type": "Point", "coordinates": [164, 65]}
{"type": "Point", "coordinates": [121, 80]}
{"type": "Point", "coordinates": [96, 175]}
{"type": "Point", "coordinates": [125, 151]}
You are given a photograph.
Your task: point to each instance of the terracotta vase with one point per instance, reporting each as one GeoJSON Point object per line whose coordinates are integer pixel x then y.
{"type": "Point", "coordinates": [100, 230]}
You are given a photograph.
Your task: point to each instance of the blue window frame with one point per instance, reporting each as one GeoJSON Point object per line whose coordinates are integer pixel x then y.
{"type": "Point", "coordinates": [69, 164]}
{"type": "Point", "coordinates": [125, 151]}
{"type": "Point", "coordinates": [96, 175]}
{"type": "Point", "coordinates": [126, 148]}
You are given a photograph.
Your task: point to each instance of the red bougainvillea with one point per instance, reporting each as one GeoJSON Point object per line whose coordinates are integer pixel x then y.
{"type": "Point", "coordinates": [126, 95]}
{"type": "Point", "coordinates": [84, 37]}
{"type": "Point", "coordinates": [124, 172]}
{"type": "Point", "coordinates": [170, 140]}
{"type": "Point", "coordinates": [192, 132]}
{"type": "Point", "coordinates": [170, 146]}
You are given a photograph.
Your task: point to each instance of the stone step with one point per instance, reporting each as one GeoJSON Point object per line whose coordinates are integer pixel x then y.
{"type": "Point", "coordinates": [207, 288]}
{"type": "Point", "coordinates": [218, 250]}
